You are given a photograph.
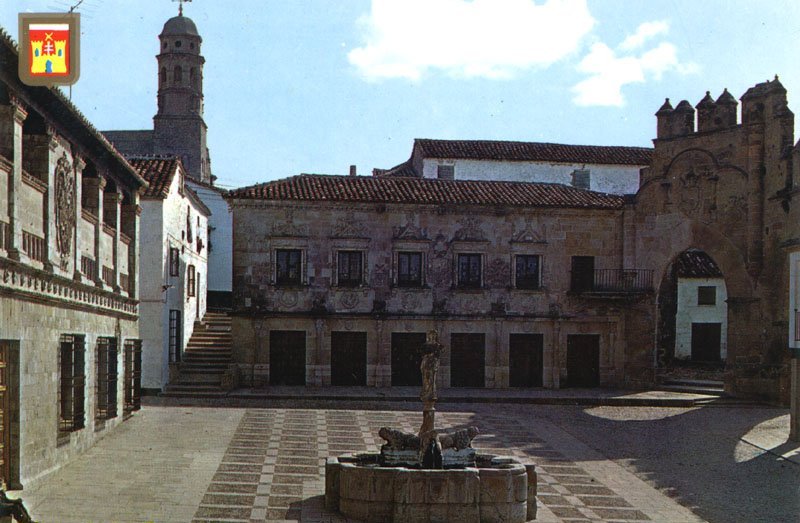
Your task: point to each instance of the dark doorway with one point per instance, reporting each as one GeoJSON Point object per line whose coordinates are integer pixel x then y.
{"type": "Point", "coordinates": [583, 360]}
{"type": "Point", "coordinates": [706, 341]}
{"type": "Point", "coordinates": [525, 360]}
{"type": "Point", "coordinates": [582, 276]}
{"type": "Point", "coordinates": [9, 415]}
{"type": "Point", "coordinates": [467, 360]}
{"type": "Point", "coordinates": [406, 358]}
{"type": "Point", "coordinates": [349, 358]}
{"type": "Point", "coordinates": [287, 358]}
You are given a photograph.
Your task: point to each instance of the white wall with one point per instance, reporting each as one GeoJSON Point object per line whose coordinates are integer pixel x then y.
{"type": "Point", "coordinates": [690, 312]}
{"type": "Point", "coordinates": [794, 296]}
{"type": "Point", "coordinates": [220, 257]}
{"type": "Point", "coordinates": [151, 278]}
{"type": "Point", "coordinates": [616, 179]}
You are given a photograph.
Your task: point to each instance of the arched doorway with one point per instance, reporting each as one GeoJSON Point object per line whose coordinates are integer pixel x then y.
{"type": "Point", "coordinates": [692, 328]}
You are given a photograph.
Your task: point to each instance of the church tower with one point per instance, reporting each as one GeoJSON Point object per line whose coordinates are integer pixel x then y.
{"type": "Point", "coordinates": [179, 128]}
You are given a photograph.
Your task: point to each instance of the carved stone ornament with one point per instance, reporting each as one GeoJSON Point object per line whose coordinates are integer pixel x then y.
{"type": "Point", "coordinates": [349, 300]}
{"type": "Point", "coordinates": [470, 231]}
{"type": "Point", "coordinates": [65, 207]}
{"type": "Point", "coordinates": [287, 227]}
{"type": "Point", "coordinates": [380, 276]}
{"type": "Point", "coordinates": [349, 227]}
{"type": "Point", "coordinates": [530, 234]}
{"type": "Point", "coordinates": [498, 274]}
{"type": "Point", "coordinates": [409, 231]}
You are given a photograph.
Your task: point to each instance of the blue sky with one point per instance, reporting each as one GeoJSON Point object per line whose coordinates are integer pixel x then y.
{"type": "Point", "coordinates": [317, 85]}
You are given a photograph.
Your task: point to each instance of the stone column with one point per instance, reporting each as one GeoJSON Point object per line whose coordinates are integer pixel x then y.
{"type": "Point", "coordinates": [79, 164]}
{"type": "Point", "coordinates": [130, 214]}
{"type": "Point", "coordinates": [11, 118]}
{"type": "Point", "coordinates": [112, 206]}
{"type": "Point", "coordinates": [50, 199]}
{"type": "Point", "coordinates": [94, 199]}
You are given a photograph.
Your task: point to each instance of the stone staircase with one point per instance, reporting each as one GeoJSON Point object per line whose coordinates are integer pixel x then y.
{"type": "Point", "coordinates": [693, 378]}
{"type": "Point", "coordinates": [205, 360]}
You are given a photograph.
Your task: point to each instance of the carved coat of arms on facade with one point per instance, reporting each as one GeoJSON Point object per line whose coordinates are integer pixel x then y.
{"type": "Point", "coordinates": [470, 231]}
{"type": "Point", "coordinates": [65, 207]}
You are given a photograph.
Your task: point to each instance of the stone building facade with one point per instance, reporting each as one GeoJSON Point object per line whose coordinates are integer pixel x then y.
{"type": "Point", "coordinates": [338, 278]}
{"type": "Point", "coordinates": [69, 258]}
{"type": "Point", "coordinates": [173, 267]}
{"type": "Point", "coordinates": [611, 169]}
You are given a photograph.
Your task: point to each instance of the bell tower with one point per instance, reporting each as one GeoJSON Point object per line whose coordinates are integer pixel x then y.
{"type": "Point", "coordinates": [179, 128]}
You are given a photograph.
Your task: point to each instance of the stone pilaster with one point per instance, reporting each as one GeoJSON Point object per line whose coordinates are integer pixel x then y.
{"type": "Point", "coordinates": [130, 215]}
{"type": "Point", "coordinates": [11, 118]}
{"type": "Point", "coordinates": [112, 206]}
{"type": "Point", "coordinates": [50, 198]}
{"type": "Point", "coordinates": [78, 164]}
{"type": "Point", "coordinates": [94, 199]}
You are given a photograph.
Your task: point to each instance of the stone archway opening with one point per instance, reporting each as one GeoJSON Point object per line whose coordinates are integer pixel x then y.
{"type": "Point", "coordinates": [692, 329]}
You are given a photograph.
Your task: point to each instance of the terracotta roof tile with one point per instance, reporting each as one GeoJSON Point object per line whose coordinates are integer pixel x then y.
{"type": "Point", "coordinates": [534, 151]}
{"type": "Point", "coordinates": [159, 173]}
{"type": "Point", "coordinates": [399, 189]}
{"type": "Point", "coordinates": [697, 264]}
{"type": "Point", "coordinates": [403, 169]}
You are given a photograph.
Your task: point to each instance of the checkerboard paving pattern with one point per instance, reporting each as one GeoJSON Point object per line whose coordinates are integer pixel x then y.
{"type": "Point", "coordinates": [273, 468]}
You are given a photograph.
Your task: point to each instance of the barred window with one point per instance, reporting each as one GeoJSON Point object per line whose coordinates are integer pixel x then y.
{"type": "Point", "coordinates": [174, 261]}
{"type": "Point", "coordinates": [191, 281]}
{"type": "Point", "coordinates": [527, 271]}
{"type": "Point", "coordinates": [350, 268]}
{"type": "Point", "coordinates": [175, 336]}
{"type": "Point", "coordinates": [469, 271]}
{"type": "Point", "coordinates": [106, 379]}
{"type": "Point", "coordinates": [288, 267]}
{"type": "Point", "coordinates": [133, 375]}
{"type": "Point", "coordinates": [72, 387]}
{"type": "Point", "coordinates": [409, 269]}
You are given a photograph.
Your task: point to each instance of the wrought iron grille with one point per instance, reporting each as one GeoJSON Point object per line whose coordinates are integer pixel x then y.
{"type": "Point", "coordinates": [71, 391]}
{"type": "Point", "coordinates": [133, 375]}
{"type": "Point", "coordinates": [106, 378]}
{"type": "Point", "coordinates": [618, 281]}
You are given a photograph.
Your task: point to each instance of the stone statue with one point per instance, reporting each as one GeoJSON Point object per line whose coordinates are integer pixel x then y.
{"type": "Point", "coordinates": [398, 440]}
{"type": "Point", "coordinates": [430, 449]}
{"type": "Point", "coordinates": [431, 351]}
{"type": "Point", "coordinates": [460, 439]}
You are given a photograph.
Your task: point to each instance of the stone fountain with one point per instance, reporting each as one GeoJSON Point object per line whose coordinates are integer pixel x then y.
{"type": "Point", "coordinates": [431, 475]}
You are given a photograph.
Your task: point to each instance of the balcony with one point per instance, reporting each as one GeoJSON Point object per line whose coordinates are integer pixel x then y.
{"type": "Point", "coordinates": [612, 282]}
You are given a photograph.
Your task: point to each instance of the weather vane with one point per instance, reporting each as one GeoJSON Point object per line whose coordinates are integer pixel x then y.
{"type": "Point", "coordinates": [180, 6]}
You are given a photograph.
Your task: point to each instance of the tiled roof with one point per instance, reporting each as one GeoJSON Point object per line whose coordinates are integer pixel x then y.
{"type": "Point", "coordinates": [404, 169]}
{"type": "Point", "coordinates": [534, 152]}
{"type": "Point", "coordinates": [159, 173]}
{"type": "Point", "coordinates": [697, 264]}
{"type": "Point", "coordinates": [398, 189]}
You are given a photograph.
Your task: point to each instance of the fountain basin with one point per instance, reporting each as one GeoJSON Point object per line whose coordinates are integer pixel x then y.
{"type": "Point", "coordinates": [498, 489]}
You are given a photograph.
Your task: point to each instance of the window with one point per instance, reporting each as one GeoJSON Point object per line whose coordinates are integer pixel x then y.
{"type": "Point", "coordinates": [106, 379]}
{"type": "Point", "coordinates": [163, 74]}
{"type": "Point", "coordinates": [178, 43]}
{"type": "Point", "coordinates": [409, 269]}
{"type": "Point", "coordinates": [446, 172]}
{"type": "Point", "coordinates": [178, 75]}
{"type": "Point", "coordinates": [191, 281]}
{"type": "Point", "coordinates": [288, 264]}
{"type": "Point", "coordinates": [469, 271]}
{"type": "Point", "coordinates": [706, 295]}
{"type": "Point", "coordinates": [527, 271]}
{"type": "Point", "coordinates": [175, 336]}
{"type": "Point", "coordinates": [174, 261]}
{"type": "Point", "coordinates": [189, 225]}
{"type": "Point", "coordinates": [582, 277]}
{"type": "Point", "coordinates": [580, 179]}
{"type": "Point", "coordinates": [73, 379]}
{"type": "Point", "coordinates": [133, 376]}
{"type": "Point", "coordinates": [350, 268]}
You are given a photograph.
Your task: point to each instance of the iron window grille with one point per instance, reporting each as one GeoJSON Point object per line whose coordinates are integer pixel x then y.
{"type": "Point", "coordinates": [446, 172]}
{"type": "Point", "coordinates": [71, 415]}
{"type": "Point", "coordinates": [409, 269]}
{"type": "Point", "coordinates": [350, 268]}
{"type": "Point", "coordinates": [106, 379]}
{"type": "Point", "coordinates": [133, 375]}
{"type": "Point", "coordinates": [174, 261]}
{"type": "Point", "coordinates": [175, 336]}
{"type": "Point", "coordinates": [527, 271]}
{"type": "Point", "coordinates": [191, 281]}
{"type": "Point", "coordinates": [469, 271]}
{"type": "Point", "coordinates": [288, 265]}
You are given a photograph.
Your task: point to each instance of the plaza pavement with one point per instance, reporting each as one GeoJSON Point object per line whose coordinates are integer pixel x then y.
{"type": "Point", "coordinates": [265, 463]}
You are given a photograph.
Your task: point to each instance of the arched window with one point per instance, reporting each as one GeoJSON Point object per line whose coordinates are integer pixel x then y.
{"type": "Point", "coordinates": [178, 74]}
{"type": "Point", "coordinates": [193, 77]}
{"type": "Point", "coordinates": [163, 75]}
{"type": "Point", "coordinates": [178, 43]}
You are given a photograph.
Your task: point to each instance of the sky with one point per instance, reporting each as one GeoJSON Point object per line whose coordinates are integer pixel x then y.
{"type": "Point", "coordinates": [314, 86]}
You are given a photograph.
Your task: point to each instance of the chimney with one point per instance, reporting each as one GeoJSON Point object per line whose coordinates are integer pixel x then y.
{"type": "Point", "coordinates": [352, 170]}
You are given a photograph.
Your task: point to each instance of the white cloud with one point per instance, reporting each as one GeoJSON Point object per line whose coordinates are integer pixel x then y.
{"type": "Point", "coordinates": [478, 38]}
{"type": "Point", "coordinates": [609, 71]}
{"type": "Point", "coordinates": [643, 33]}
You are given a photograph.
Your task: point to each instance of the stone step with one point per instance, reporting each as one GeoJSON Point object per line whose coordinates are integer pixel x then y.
{"type": "Point", "coordinates": [203, 369]}
{"type": "Point", "coordinates": [193, 387]}
{"type": "Point", "coordinates": [201, 394]}
{"type": "Point", "coordinates": [208, 352]}
{"type": "Point", "coordinates": [695, 382]}
{"type": "Point", "coordinates": [711, 391]}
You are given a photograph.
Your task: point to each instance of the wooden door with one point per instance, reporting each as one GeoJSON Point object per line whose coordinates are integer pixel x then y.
{"type": "Point", "coordinates": [349, 358]}
{"type": "Point", "coordinates": [406, 358]}
{"type": "Point", "coordinates": [583, 360]}
{"type": "Point", "coordinates": [467, 360]}
{"type": "Point", "coordinates": [287, 358]}
{"type": "Point", "coordinates": [706, 341]}
{"type": "Point", "coordinates": [582, 277]}
{"type": "Point", "coordinates": [525, 360]}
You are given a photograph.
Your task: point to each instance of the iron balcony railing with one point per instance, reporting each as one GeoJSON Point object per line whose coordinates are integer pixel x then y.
{"type": "Point", "coordinates": [613, 281]}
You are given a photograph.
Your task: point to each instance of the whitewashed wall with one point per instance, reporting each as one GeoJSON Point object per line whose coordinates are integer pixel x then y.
{"type": "Point", "coordinates": [220, 258]}
{"type": "Point", "coordinates": [616, 179]}
{"type": "Point", "coordinates": [690, 312]}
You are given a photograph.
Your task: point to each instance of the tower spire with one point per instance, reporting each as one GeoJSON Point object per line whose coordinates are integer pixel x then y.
{"type": "Point", "coordinates": [180, 6]}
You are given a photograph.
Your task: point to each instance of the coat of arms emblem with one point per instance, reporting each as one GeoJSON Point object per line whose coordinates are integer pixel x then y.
{"type": "Point", "coordinates": [48, 51]}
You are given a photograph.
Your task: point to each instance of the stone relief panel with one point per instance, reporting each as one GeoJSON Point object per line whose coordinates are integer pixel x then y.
{"type": "Point", "coordinates": [409, 231]}
{"type": "Point", "coordinates": [349, 227]}
{"type": "Point", "coordinates": [65, 208]}
{"type": "Point", "coordinates": [470, 230]}
{"type": "Point", "coordinates": [284, 225]}
{"type": "Point", "coordinates": [498, 274]}
{"type": "Point", "coordinates": [530, 232]}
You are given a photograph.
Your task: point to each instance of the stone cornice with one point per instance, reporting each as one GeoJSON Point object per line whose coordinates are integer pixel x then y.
{"type": "Point", "coordinates": [34, 182]}
{"type": "Point", "coordinates": [23, 282]}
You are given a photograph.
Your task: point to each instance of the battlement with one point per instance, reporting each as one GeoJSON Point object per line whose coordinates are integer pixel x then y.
{"type": "Point", "coordinates": [760, 103]}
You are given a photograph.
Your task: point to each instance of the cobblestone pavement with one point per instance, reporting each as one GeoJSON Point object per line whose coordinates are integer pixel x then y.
{"type": "Point", "coordinates": [246, 465]}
